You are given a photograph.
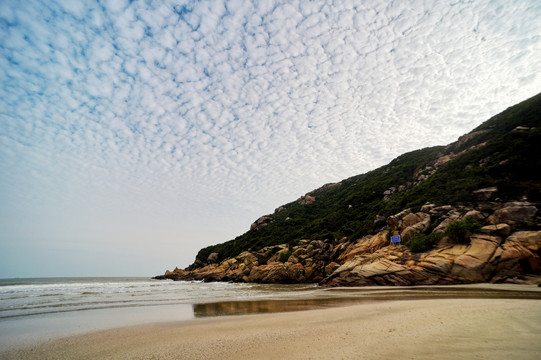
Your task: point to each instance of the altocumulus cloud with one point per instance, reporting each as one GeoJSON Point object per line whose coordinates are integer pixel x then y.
{"type": "Point", "coordinates": [183, 114]}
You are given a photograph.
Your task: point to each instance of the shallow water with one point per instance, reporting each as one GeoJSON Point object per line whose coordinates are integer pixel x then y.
{"type": "Point", "coordinates": [28, 297]}
{"type": "Point", "coordinates": [41, 309]}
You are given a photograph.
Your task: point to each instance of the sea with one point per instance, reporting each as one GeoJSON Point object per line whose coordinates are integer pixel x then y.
{"type": "Point", "coordinates": [37, 309]}
{"type": "Point", "coordinates": [40, 309]}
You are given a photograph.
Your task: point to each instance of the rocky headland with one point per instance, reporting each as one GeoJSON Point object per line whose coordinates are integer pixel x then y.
{"type": "Point", "coordinates": [467, 212]}
{"type": "Point", "coordinates": [501, 250]}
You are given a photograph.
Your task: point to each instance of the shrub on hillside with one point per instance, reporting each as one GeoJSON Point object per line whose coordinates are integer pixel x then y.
{"type": "Point", "coordinates": [461, 230]}
{"type": "Point", "coordinates": [423, 243]}
{"type": "Point", "coordinates": [285, 255]}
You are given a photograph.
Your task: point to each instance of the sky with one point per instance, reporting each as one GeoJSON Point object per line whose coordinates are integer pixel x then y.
{"type": "Point", "coordinates": [134, 133]}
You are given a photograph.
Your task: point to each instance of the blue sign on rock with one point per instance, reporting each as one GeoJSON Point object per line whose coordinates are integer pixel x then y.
{"type": "Point", "coordinates": [395, 239]}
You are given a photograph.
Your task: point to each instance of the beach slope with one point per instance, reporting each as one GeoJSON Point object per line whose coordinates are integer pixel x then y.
{"type": "Point", "coordinates": [413, 329]}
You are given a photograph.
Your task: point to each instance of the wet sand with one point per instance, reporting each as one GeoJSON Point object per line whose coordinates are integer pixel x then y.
{"type": "Point", "coordinates": [410, 329]}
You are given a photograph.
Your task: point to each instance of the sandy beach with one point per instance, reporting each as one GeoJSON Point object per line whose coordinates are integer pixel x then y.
{"type": "Point", "coordinates": [412, 329]}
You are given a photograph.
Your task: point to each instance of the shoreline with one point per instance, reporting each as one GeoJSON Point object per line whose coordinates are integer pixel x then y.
{"type": "Point", "coordinates": [419, 328]}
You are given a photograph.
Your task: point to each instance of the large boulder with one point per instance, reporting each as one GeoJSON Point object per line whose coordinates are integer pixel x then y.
{"type": "Point", "coordinates": [427, 207]}
{"type": "Point", "coordinates": [514, 213]}
{"type": "Point", "coordinates": [247, 258]}
{"type": "Point", "coordinates": [500, 229]}
{"type": "Point", "coordinates": [485, 194]}
{"type": "Point", "coordinates": [277, 273]}
{"type": "Point", "coordinates": [306, 200]}
{"type": "Point", "coordinates": [447, 219]}
{"type": "Point", "coordinates": [473, 265]}
{"type": "Point", "coordinates": [212, 258]}
{"type": "Point", "coordinates": [261, 222]}
{"type": "Point", "coordinates": [394, 220]}
{"type": "Point", "coordinates": [519, 255]}
{"type": "Point", "coordinates": [414, 224]}
{"type": "Point", "coordinates": [365, 245]}
{"type": "Point", "coordinates": [476, 215]}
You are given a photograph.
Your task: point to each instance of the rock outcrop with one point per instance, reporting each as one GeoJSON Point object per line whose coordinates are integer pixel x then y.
{"type": "Point", "coordinates": [479, 222]}
{"type": "Point", "coordinates": [506, 248]}
{"type": "Point", "coordinates": [513, 213]}
{"type": "Point", "coordinates": [261, 223]}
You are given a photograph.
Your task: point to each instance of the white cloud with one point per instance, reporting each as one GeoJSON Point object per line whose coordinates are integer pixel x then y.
{"type": "Point", "coordinates": [239, 106]}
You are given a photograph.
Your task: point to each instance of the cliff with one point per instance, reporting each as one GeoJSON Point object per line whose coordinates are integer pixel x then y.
{"type": "Point", "coordinates": [471, 215]}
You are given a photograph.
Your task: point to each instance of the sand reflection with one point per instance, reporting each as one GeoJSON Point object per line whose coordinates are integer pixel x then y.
{"type": "Point", "coordinates": [266, 306]}
{"type": "Point", "coordinates": [348, 296]}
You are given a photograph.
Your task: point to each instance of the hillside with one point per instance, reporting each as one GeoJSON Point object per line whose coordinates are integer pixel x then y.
{"type": "Point", "coordinates": [501, 156]}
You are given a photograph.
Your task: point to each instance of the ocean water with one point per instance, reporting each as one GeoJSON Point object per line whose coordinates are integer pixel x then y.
{"type": "Point", "coordinates": [27, 297]}
{"type": "Point", "coordinates": [46, 308]}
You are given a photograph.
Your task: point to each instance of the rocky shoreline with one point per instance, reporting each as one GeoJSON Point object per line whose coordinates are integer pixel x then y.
{"type": "Point", "coordinates": [505, 249]}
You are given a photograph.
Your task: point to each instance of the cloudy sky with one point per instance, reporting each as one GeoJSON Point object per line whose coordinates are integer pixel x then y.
{"type": "Point", "coordinates": [134, 133]}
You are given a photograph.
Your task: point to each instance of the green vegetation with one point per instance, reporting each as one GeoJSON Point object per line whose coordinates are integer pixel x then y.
{"type": "Point", "coordinates": [498, 154]}
{"type": "Point", "coordinates": [461, 230]}
{"type": "Point", "coordinates": [423, 243]}
{"type": "Point", "coordinates": [285, 255]}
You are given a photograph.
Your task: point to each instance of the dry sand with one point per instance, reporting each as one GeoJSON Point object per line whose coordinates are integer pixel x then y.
{"type": "Point", "coordinates": [413, 329]}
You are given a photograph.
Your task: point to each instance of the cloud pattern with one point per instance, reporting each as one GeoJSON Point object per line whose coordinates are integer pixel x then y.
{"type": "Point", "coordinates": [182, 106]}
